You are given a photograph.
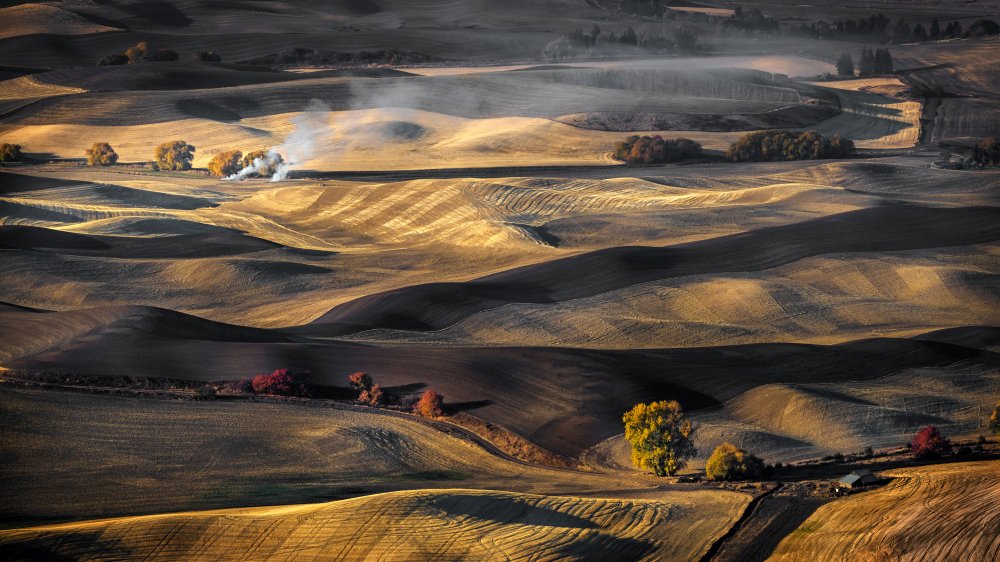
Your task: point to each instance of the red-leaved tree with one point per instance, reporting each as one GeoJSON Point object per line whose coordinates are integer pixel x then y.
{"type": "Point", "coordinates": [431, 404]}
{"type": "Point", "coordinates": [374, 396]}
{"type": "Point", "coordinates": [928, 443]}
{"type": "Point", "coordinates": [283, 383]}
{"type": "Point", "coordinates": [360, 381]}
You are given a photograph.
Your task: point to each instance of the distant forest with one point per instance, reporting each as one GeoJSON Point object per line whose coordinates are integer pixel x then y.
{"type": "Point", "coordinates": [691, 29]}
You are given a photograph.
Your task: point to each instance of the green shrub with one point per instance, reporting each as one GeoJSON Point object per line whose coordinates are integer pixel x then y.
{"type": "Point", "coordinates": [226, 163]}
{"type": "Point", "coordinates": [10, 152]}
{"type": "Point", "coordinates": [765, 146]}
{"type": "Point", "coordinates": [101, 154]}
{"type": "Point", "coordinates": [654, 149]}
{"type": "Point", "coordinates": [845, 65]}
{"type": "Point", "coordinates": [987, 152]}
{"type": "Point", "coordinates": [729, 462]}
{"type": "Point", "coordinates": [983, 28]}
{"type": "Point", "coordinates": [138, 52]}
{"type": "Point", "coordinates": [206, 391]}
{"type": "Point", "coordinates": [206, 56]}
{"type": "Point", "coordinates": [113, 59]}
{"type": "Point", "coordinates": [173, 155]}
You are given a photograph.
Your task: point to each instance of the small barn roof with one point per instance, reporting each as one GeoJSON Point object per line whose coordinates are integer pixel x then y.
{"type": "Point", "coordinates": [850, 479]}
{"type": "Point", "coordinates": [860, 476]}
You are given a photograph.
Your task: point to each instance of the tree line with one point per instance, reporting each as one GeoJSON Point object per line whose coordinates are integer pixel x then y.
{"type": "Point", "coordinates": [173, 155]}
{"type": "Point", "coordinates": [662, 441]}
{"type": "Point", "coordinates": [759, 146]}
{"type": "Point", "coordinates": [655, 149]}
{"type": "Point", "coordinates": [872, 62]}
{"type": "Point", "coordinates": [596, 41]}
{"type": "Point", "coordinates": [286, 382]}
{"type": "Point", "coordinates": [142, 52]}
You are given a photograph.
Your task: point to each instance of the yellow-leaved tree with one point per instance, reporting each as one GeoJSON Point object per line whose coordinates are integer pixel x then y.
{"type": "Point", "coordinates": [661, 436]}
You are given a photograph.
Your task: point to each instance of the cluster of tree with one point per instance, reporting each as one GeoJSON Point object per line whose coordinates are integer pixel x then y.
{"type": "Point", "coordinates": [662, 440]}
{"type": "Point", "coordinates": [661, 436]}
{"type": "Point", "coordinates": [206, 56]}
{"type": "Point", "coordinates": [10, 153]}
{"type": "Point", "coordinates": [874, 61]}
{"type": "Point", "coordinates": [654, 149]}
{"type": "Point", "coordinates": [752, 20]}
{"type": "Point", "coordinates": [987, 152]}
{"type": "Point", "coordinates": [140, 52]}
{"type": "Point", "coordinates": [305, 56]}
{"type": "Point", "coordinates": [683, 40]}
{"type": "Point", "coordinates": [580, 39]}
{"type": "Point", "coordinates": [728, 462]}
{"type": "Point", "coordinates": [765, 146]}
{"type": "Point", "coordinates": [283, 382]}
{"type": "Point", "coordinates": [101, 154]}
{"type": "Point", "coordinates": [173, 155]}
{"type": "Point", "coordinates": [876, 28]}
{"type": "Point", "coordinates": [644, 8]}
{"type": "Point", "coordinates": [367, 390]}
{"type": "Point", "coordinates": [982, 28]}
{"type": "Point", "coordinates": [588, 40]}
{"type": "Point", "coordinates": [845, 64]}
{"type": "Point", "coordinates": [259, 163]}
{"type": "Point", "coordinates": [920, 33]}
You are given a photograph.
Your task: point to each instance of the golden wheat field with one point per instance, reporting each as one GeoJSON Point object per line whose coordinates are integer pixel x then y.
{"type": "Point", "coordinates": [422, 524]}
{"type": "Point", "coordinates": [459, 241]}
{"type": "Point", "coordinates": [956, 504]}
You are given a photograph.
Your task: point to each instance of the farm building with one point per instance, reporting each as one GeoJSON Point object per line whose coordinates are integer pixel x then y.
{"type": "Point", "coordinates": [857, 479]}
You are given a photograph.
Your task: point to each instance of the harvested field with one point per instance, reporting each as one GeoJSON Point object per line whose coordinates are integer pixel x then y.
{"type": "Point", "coordinates": [851, 296]}
{"type": "Point", "coordinates": [578, 406]}
{"type": "Point", "coordinates": [795, 422]}
{"type": "Point", "coordinates": [455, 212]}
{"type": "Point", "coordinates": [488, 119]}
{"type": "Point", "coordinates": [873, 120]}
{"type": "Point", "coordinates": [219, 454]}
{"type": "Point", "coordinates": [429, 525]}
{"type": "Point", "coordinates": [627, 266]}
{"type": "Point", "coordinates": [44, 18]}
{"type": "Point", "coordinates": [943, 512]}
{"type": "Point", "coordinates": [962, 75]}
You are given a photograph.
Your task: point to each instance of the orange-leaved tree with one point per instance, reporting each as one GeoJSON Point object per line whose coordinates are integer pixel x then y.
{"type": "Point", "coordinates": [226, 163]}
{"type": "Point", "coordinates": [101, 154]}
{"type": "Point", "coordinates": [431, 404]}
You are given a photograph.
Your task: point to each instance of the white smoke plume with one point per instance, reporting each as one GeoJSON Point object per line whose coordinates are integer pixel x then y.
{"type": "Point", "coordinates": [380, 112]}
{"type": "Point", "coordinates": [298, 147]}
{"type": "Point", "coordinates": [260, 166]}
